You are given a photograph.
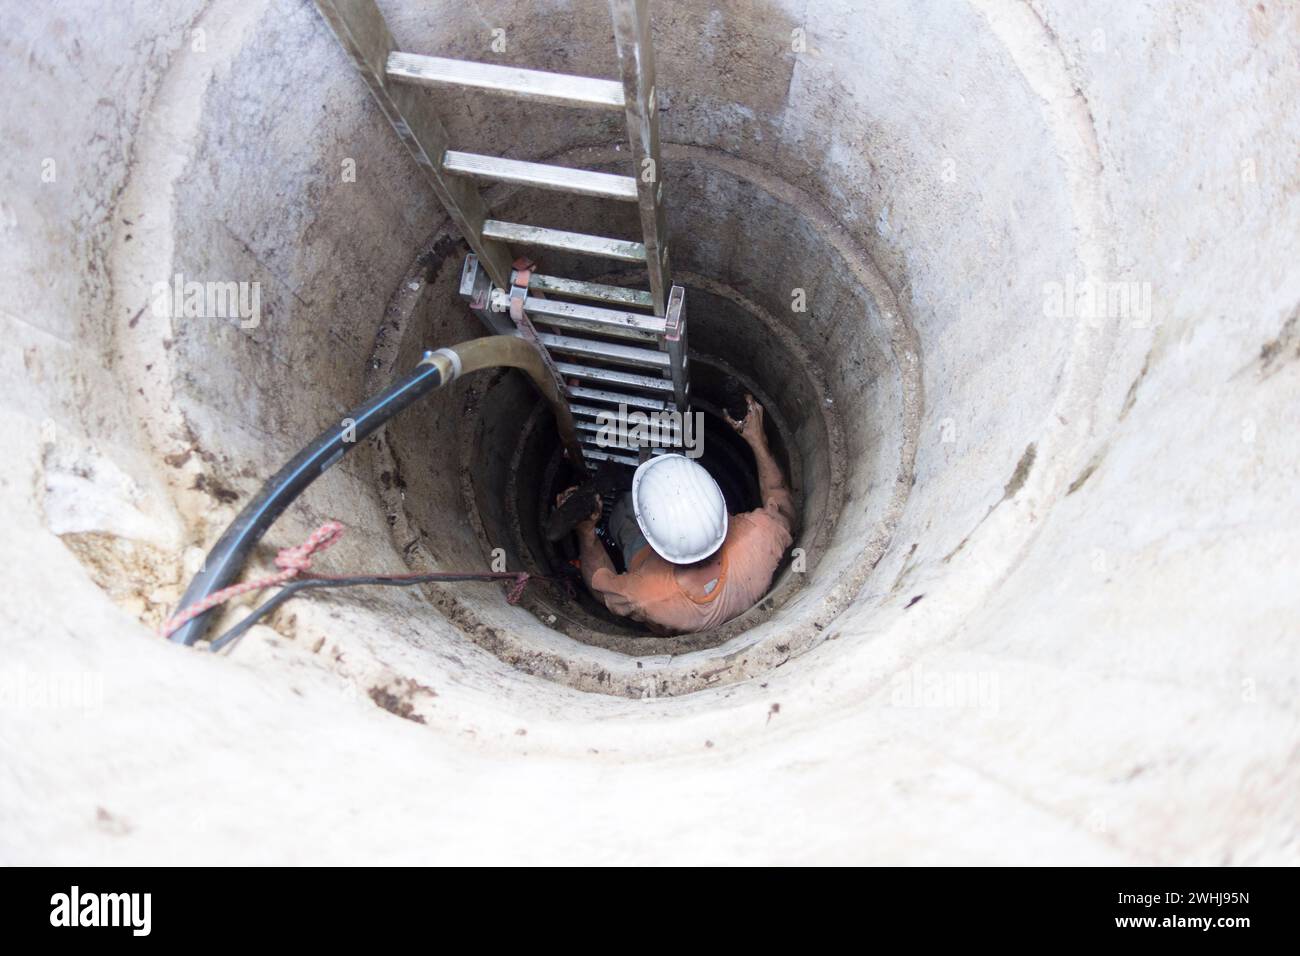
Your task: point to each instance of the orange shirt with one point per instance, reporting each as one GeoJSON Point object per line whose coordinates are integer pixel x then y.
{"type": "Point", "coordinates": [650, 592]}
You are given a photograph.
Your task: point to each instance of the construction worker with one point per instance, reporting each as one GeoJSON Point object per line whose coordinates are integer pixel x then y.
{"type": "Point", "coordinates": [690, 566]}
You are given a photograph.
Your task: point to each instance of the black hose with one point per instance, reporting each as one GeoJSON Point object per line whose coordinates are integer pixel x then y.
{"type": "Point", "coordinates": [228, 555]}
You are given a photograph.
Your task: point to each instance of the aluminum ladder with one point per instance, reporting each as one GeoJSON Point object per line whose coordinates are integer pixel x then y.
{"type": "Point", "coordinates": [606, 345]}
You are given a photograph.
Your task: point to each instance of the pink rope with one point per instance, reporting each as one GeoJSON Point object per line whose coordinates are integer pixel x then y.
{"type": "Point", "coordinates": [295, 561]}
{"type": "Point", "coordinates": [291, 562]}
{"type": "Point", "coordinates": [517, 589]}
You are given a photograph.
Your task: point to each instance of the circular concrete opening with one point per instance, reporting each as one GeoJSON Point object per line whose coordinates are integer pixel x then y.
{"type": "Point", "coordinates": [777, 300]}
{"type": "Point", "coordinates": [1043, 605]}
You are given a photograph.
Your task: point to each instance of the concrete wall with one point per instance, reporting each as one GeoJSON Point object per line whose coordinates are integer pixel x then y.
{"type": "Point", "coordinates": [1077, 641]}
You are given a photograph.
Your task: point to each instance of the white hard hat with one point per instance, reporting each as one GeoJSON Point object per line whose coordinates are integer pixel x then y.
{"type": "Point", "coordinates": [679, 508]}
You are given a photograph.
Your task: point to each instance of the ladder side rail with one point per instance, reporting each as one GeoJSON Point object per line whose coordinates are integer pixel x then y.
{"type": "Point", "coordinates": [637, 64]}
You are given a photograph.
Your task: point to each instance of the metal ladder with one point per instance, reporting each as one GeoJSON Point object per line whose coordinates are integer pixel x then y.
{"type": "Point", "coordinates": [629, 348]}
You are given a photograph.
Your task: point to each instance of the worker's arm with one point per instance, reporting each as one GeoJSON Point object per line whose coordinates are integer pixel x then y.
{"type": "Point", "coordinates": [590, 551]}
{"type": "Point", "coordinates": [593, 553]}
{"type": "Point", "coordinates": [775, 493]}
{"type": "Point", "coordinates": [616, 591]}
{"type": "Point", "coordinates": [612, 590]}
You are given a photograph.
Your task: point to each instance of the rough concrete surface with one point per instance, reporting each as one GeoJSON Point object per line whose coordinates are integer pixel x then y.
{"type": "Point", "coordinates": [1050, 610]}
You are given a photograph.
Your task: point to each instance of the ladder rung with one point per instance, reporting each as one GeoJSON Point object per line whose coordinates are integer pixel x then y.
{"type": "Point", "coordinates": [596, 454]}
{"type": "Point", "coordinates": [593, 441]}
{"type": "Point", "coordinates": [593, 433]}
{"type": "Point", "coordinates": [615, 398]}
{"type": "Point", "coordinates": [594, 291]}
{"type": "Point", "coordinates": [560, 178]}
{"type": "Point", "coordinates": [556, 88]}
{"type": "Point", "coordinates": [570, 241]}
{"type": "Point", "coordinates": [591, 428]}
{"type": "Point", "coordinates": [609, 376]}
{"type": "Point", "coordinates": [590, 318]}
{"type": "Point", "coordinates": [622, 354]}
{"type": "Point", "coordinates": [591, 444]}
{"type": "Point", "coordinates": [590, 411]}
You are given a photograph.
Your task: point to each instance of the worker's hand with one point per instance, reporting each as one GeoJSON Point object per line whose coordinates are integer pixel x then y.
{"type": "Point", "coordinates": [589, 525]}
{"type": "Point", "coordinates": [751, 428]}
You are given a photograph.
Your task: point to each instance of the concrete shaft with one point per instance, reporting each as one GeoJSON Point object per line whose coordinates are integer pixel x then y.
{"type": "Point", "coordinates": [1017, 280]}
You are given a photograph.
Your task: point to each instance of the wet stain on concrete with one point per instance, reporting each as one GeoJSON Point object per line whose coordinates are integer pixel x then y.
{"type": "Point", "coordinates": [1020, 474]}
{"type": "Point", "coordinates": [398, 697]}
{"type": "Point", "coordinates": [1285, 347]}
{"type": "Point", "coordinates": [1084, 475]}
{"type": "Point", "coordinates": [1009, 491]}
{"type": "Point", "coordinates": [1131, 398]}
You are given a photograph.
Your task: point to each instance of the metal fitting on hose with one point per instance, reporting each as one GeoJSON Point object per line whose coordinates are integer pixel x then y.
{"type": "Point", "coordinates": [495, 351]}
